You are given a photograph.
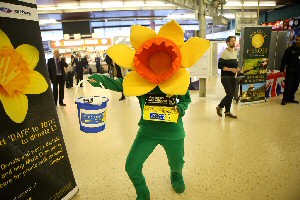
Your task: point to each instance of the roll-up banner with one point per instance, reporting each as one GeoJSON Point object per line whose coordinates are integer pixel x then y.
{"type": "Point", "coordinates": [254, 56]}
{"type": "Point", "coordinates": [34, 163]}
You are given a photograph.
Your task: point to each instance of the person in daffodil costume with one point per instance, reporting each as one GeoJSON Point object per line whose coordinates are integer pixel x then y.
{"type": "Point", "coordinates": [18, 77]}
{"type": "Point", "coordinates": [160, 82]}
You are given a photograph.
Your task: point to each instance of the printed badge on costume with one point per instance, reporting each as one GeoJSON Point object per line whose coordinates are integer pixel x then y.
{"type": "Point", "coordinates": [160, 107]}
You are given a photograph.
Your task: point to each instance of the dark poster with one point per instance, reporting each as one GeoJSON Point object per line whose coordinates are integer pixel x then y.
{"type": "Point", "coordinates": [34, 163]}
{"type": "Point", "coordinates": [256, 44]}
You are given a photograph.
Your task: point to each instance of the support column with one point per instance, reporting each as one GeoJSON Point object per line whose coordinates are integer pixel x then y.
{"type": "Point", "coordinates": [202, 20]}
{"type": "Point", "coordinates": [202, 87]}
{"type": "Point", "coordinates": [202, 34]}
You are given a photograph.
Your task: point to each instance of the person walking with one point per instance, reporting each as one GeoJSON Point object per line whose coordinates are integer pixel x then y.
{"type": "Point", "coordinates": [57, 75]}
{"type": "Point", "coordinates": [229, 68]}
{"type": "Point", "coordinates": [80, 67]}
{"type": "Point", "coordinates": [291, 63]}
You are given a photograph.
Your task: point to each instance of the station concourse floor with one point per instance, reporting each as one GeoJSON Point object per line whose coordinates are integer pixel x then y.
{"type": "Point", "coordinates": [254, 157]}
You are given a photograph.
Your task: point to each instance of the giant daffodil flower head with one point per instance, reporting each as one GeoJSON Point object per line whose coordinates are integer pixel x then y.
{"type": "Point", "coordinates": [18, 78]}
{"type": "Point", "coordinates": [158, 59]}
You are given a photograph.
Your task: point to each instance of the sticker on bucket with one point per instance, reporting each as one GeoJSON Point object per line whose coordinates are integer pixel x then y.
{"type": "Point", "coordinates": [92, 113]}
{"type": "Point", "coordinates": [94, 119]}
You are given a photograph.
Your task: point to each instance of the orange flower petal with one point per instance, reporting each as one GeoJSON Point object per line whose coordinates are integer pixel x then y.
{"type": "Point", "coordinates": [14, 70]}
{"type": "Point", "coordinates": [157, 59]}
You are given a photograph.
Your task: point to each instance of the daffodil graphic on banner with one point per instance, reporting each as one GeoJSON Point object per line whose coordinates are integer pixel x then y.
{"type": "Point", "coordinates": [158, 59]}
{"type": "Point", "coordinates": [17, 77]}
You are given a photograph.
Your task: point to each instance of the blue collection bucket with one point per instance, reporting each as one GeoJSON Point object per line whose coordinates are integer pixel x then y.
{"type": "Point", "coordinates": [92, 112]}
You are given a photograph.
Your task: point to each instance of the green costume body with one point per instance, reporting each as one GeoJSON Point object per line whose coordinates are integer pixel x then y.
{"type": "Point", "coordinates": [151, 133]}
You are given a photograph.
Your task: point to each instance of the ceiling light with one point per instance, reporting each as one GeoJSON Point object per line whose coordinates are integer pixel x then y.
{"type": "Point", "coordinates": [250, 3]}
{"type": "Point", "coordinates": [48, 21]}
{"type": "Point", "coordinates": [112, 4]}
{"type": "Point", "coordinates": [182, 16]}
{"type": "Point", "coordinates": [104, 5]}
{"type": "Point", "coordinates": [229, 15]}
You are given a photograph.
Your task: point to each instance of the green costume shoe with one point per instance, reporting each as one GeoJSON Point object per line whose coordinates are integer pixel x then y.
{"type": "Point", "coordinates": [177, 182]}
{"type": "Point", "coordinates": [142, 192]}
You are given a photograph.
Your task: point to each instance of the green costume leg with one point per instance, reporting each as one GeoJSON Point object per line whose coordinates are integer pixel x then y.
{"type": "Point", "coordinates": [175, 152]}
{"type": "Point", "coordinates": [139, 152]}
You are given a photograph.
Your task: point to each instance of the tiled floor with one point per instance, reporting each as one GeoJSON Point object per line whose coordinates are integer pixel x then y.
{"type": "Point", "coordinates": [256, 156]}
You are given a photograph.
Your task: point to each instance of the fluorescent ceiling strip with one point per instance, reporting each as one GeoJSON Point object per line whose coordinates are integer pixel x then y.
{"type": "Point", "coordinates": [192, 16]}
{"type": "Point", "coordinates": [116, 4]}
{"type": "Point", "coordinates": [184, 16]}
{"type": "Point", "coordinates": [29, 1]}
{"type": "Point", "coordinates": [250, 4]}
{"type": "Point", "coordinates": [229, 15]}
{"type": "Point", "coordinates": [48, 21]}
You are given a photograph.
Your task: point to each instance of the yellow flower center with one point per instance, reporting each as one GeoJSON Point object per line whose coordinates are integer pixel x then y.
{"type": "Point", "coordinates": [13, 71]}
{"type": "Point", "coordinates": [157, 59]}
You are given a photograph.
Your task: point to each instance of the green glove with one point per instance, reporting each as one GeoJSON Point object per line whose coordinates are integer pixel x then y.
{"type": "Point", "coordinates": [108, 83]}
{"type": "Point", "coordinates": [98, 78]}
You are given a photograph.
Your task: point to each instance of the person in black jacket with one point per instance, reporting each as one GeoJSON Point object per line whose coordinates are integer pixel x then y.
{"type": "Point", "coordinates": [98, 64]}
{"type": "Point", "coordinates": [119, 75]}
{"type": "Point", "coordinates": [57, 75]}
{"type": "Point", "coordinates": [70, 75]}
{"type": "Point", "coordinates": [291, 63]}
{"type": "Point", "coordinates": [229, 68]}
{"type": "Point", "coordinates": [110, 65]}
{"type": "Point", "coordinates": [80, 65]}
{"type": "Point", "coordinates": [86, 63]}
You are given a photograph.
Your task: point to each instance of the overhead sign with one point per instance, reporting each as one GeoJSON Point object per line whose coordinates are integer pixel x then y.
{"type": "Point", "coordinates": [80, 43]}
{"type": "Point", "coordinates": [245, 19]}
{"type": "Point", "coordinates": [122, 40]}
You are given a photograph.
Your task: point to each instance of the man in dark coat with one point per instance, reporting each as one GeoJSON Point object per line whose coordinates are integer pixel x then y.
{"type": "Point", "coordinates": [229, 69]}
{"type": "Point", "coordinates": [110, 65]}
{"type": "Point", "coordinates": [98, 64]}
{"type": "Point", "coordinates": [291, 63]}
{"type": "Point", "coordinates": [57, 74]}
{"type": "Point", "coordinates": [80, 67]}
{"type": "Point", "coordinates": [120, 75]}
{"type": "Point", "coordinates": [70, 75]}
